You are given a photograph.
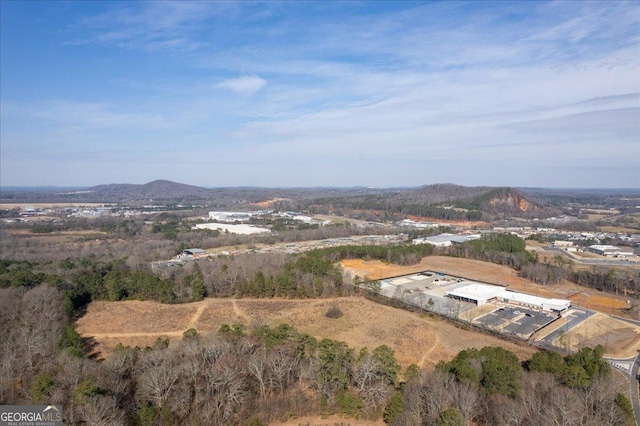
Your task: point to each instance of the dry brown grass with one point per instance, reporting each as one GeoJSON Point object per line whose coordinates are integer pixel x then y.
{"type": "Point", "coordinates": [9, 206]}
{"type": "Point", "coordinates": [620, 339]}
{"type": "Point", "coordinates": [491, 273]}
{"type": "Point", "coordinates": [464, 223]}
{"type": "Point", "coordinates": [134, 316]}
{"type": "Point", "coordinates": [415, 339]}
{"type": "Point", "coordinates": [334, 420]}
{"type": "Point", "coordinates": [268, 203]}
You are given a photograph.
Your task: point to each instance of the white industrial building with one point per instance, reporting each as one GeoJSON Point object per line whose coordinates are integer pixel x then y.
{"type": "Point", "coordinates": [445, 240]}
{"type": "Point", "coordinates": [235, 216]}
{"type": "Point", "coordinates": [233, 229]}
{"type": "Point", "coordinates": [421, 225]}
{"type": "Point", "coordinates": [194, 253]}
{"type": "Point", "coordinates": [484, 293]}
{"type": "Point", "coordinates": [560, 243]}
{"type": "Point", "coordinates": [611, 251]}
{"type": "Point", "coordinates": [478, 293]}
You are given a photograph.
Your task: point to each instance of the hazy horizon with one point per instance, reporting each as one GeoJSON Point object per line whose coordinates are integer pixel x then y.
{"type": "Point", "coordinates": [321, 94]}
{"type": "Point", "coordinates": [53, 187]}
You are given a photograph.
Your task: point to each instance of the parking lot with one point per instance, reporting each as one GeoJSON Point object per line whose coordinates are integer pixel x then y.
{"type": "Point", "coordinates": [515, 320]}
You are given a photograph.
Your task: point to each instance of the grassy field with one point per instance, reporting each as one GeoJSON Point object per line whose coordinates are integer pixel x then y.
{"type": "Point", "coordinates": [414, 338]}
{"type": "Point", "coordinates": [9, 206]}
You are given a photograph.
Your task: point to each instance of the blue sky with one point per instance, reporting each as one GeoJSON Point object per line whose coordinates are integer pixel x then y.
{"type": "Point", "coordinates": [320, 93]}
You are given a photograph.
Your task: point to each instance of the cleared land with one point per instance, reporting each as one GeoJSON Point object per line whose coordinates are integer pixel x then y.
{"type": "Point", "coordinates": [465, 223]}
{"type": "Point", "coordinates": [415, 339]}
{"type": "Point", "coordinates": [621, 339]}
{"type": "Point", "coordinates": [489, 273]}
{"type": "Point", "coordinates": [9, 206]}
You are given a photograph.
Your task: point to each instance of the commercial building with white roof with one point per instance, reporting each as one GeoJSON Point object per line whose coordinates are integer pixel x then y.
{"type": "Point", "coordinates": [484, 293]}
{"type": "Point", "coordinates": [608, 250]}
{"type": "Point", "coordinates": [233, 229]}
{"type": "Point", "coordinates": [445, 240]}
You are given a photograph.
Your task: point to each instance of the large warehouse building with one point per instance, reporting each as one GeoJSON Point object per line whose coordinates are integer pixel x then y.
{"type": "Point", "coordinates": [611, 251]}
{"type": "Point", "coordinates": [484, 293]}
{"type": "Point", "coordinates": [233, 229]}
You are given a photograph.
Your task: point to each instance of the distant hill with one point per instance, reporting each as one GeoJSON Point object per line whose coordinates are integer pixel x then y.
{"type": "Point", "coordinates": [156, 190]}
{"type": "Point", "coordinates": [165, 191]}
{"type": "Point", "coordinates": [501, 200]}
{"type": "Point", "coordinates": [444, 192]}
{"type": "Point", "coordinates": [440, 201]}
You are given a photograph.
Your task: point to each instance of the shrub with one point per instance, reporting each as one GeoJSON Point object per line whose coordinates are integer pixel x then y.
{"type": "Point", "coordinates": [189, 333]}
{"type": "Point", "coordinates": [334, 311]}
{"type": "Point", "coordinates": [40, 386]}
{"type": "Point", "coordinates": [394, 408]}
{"type": "Point", "coordinates": [348, 403]}
{"type": "Point", "coordinates": [451, 417]}
{"type": "Point", "coordinates": [625, 405]}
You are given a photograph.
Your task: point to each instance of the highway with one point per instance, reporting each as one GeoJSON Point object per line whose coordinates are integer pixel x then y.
{"type": "Point", "coordinates": [592, 261]}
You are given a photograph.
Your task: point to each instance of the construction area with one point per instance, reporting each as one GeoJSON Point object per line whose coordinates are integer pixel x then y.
{"type": "Point", "coordinates": [484, 305]}
{"type": "Point", "coordinates": [567, 323]}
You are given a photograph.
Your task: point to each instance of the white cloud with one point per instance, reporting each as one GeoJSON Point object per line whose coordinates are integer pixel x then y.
{"type": "Point", "coordinates": [244, 86]}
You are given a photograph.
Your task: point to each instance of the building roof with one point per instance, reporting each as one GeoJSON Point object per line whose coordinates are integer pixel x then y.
{"type": "Point", "coordinates": [484, 292]}
{"type": "Point", "coordinates": [443, 238]}
{"type": "Point", "coordinates": [603, 247]}
{"type": "Point", "coordinates": [194, 250]}
{"type": "Point", "coordinates": [477, 292]}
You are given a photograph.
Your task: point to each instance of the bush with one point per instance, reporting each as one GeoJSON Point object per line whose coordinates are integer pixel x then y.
{"type": "Point", "coordinates": [41, 386]}
{"type": "Point", "coordinates": [189, 333]}
{"type": "Point", "coordinates": [334, 311]}
{"type": "Point", "coordinates": [394, 408]}
{"type": "Point", "coordinates": [451, 417]}
{"type": "Point", "coordinates": [71, 341]}
{"type": "Point", "coordinates": [625, 405]}
{"type": "Point", "coordinates": [348, 403]}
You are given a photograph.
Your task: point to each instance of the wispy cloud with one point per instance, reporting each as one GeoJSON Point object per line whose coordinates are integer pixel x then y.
{"type": "Point", "coordinates": [150, 26]}
{"type": "Point", "coordinates": [479, 86]}
{"type": "Point", "coordinates": [88, 115]}
{"type": "Point", "coordinates": [245, 86]}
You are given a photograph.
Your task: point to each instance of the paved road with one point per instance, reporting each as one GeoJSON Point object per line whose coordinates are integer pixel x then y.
{"type": "Point", "coordinates": [634, 394]}
{"type": "Point", "coordinates": [576, 317]}
{"type": "Point", "coordinates": [592, 261]}
{"type": "Point", "coordinates": [629, 320]}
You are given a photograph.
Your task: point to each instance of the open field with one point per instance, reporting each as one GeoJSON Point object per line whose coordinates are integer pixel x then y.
{"type": "Point", "coordinates": [622, 229]}
{"type": "Point", "coordinates": [467, 268]}
{"type": "Point", "coordinates": [620, 339]}
{"type": "Point", "coordinates": [9, 206]}
{"type": "Point", "coordinates": [415, 339]}
{"type": "Point", "coordinates": [490, 273]}
{"type": "Point", "coordinates": [68, 233]}
{"type": "Point", "coordinates": [268, 203]}
{"type": "Point", "coordinates": [333, 420]}
{"type": "Point", "coordinates": [464, 223]}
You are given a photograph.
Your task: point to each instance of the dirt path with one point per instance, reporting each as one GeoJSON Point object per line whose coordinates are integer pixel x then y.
{"type": "Point", "coordinates": [415, 338]}
{"type": "Point", "coordinates": [98, 336]}
{"type": "Point", "coordinates": [239, 312]}
{"type": "Point", "coordinates": [196, 316]}
{"type": "Point", "coordinates": [425, 357]}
